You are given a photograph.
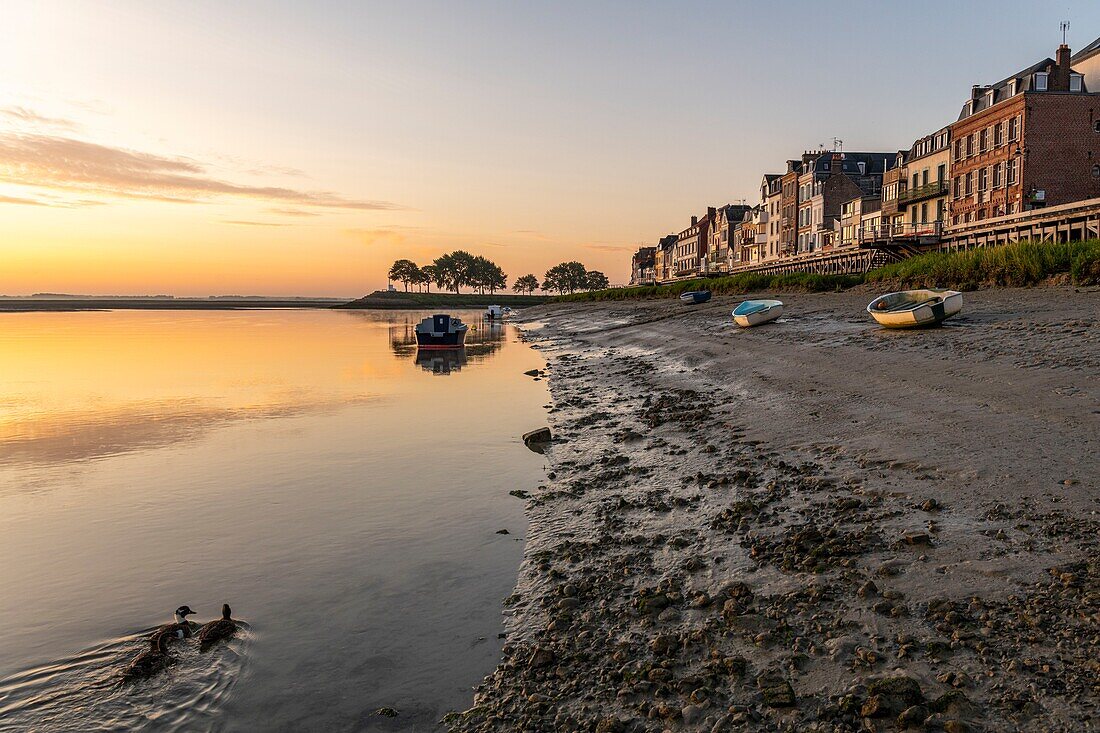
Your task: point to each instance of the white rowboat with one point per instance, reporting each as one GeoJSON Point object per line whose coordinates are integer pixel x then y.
{"type": "Point", "coordinates": [915, 308]}
{"type": "Point", "coordinates": [755, 312]}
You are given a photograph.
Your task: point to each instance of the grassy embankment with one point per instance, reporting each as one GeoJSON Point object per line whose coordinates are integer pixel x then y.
{"type": "Point", "coordinates": [382, 299]}
{"type": "Point", "coordinates": [1012, 265]}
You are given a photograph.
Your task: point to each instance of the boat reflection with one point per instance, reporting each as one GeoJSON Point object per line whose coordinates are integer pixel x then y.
{"type": "Point", "coordinates": [441, 361]}
{"type": "Point", "coordinates": [482, 341]}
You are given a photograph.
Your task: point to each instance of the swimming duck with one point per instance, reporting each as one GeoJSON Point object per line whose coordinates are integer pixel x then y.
{"type": "Point", "coordinates": [181, 628]}
{"type": "Point", "coordinates": [215, 631]}
{"type": "Point", "coordinates": [150, 661]}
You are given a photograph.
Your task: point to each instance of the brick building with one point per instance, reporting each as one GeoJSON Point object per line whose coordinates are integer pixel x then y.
{"type": "Point", "coordinates": [788, 208]}
{"type": "Point", "coordinates": [691, 245]}
{"type": "Point", "coordinates": [1028, 141]}
{"type": "Point", "coordinates": [641, 266]}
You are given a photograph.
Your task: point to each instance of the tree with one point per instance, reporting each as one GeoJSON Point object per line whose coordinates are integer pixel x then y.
{"type": "Point", "coordinates": [427, 276]}
{"type": "Point", "coordinates": [568, 277]}
{"type": "Point", "coordinates": [596, 280]}
{"type": "Point", "coordinates": [405, 271]}
{"type": "Point", "coordinates": [526, 284]}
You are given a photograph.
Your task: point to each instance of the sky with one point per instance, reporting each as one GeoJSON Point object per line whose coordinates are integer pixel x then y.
{"type": "Point", "coordinates": [287, 148]}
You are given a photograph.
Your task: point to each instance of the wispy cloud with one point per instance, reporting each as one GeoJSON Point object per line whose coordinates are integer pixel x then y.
{"type": "Point", "coordinates": [292, 212]}
{"type": "Point", "coordinates": [532, 234]}
{"type": "Point", "coordinates": [248, 223]}
{"type": "Point", "coordinates": [65, 163]}
{"type": "Point", "coordinates": [32, 118]}
{"type": "Point", "coordinates": [379, 235]}
{"type": "Point", "coordinates": [22, 201]}
{"type": "Point", "coordinates": [50, 202]}
{"type": "Point", "coordinates": [609, 247]}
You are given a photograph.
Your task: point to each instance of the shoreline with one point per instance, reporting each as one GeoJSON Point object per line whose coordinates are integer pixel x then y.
{"type": "Point", "coordinates": [812, 525]}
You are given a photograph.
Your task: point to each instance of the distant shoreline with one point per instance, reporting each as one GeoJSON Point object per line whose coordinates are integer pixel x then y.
{"type": "Point", "coordinates": [398, 300]}
{"type": "Point", "coordinates": [31, 305]}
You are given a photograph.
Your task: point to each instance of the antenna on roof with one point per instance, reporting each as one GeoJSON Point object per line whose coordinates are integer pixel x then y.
{"type": "Point", "coordinates": [838, 145]}
{"type": "Point", "coordinates": [1065, 27]}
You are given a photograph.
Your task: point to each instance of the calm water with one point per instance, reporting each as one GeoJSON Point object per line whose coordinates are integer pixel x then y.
{"type": "Point", "coordinates": [341, 494]}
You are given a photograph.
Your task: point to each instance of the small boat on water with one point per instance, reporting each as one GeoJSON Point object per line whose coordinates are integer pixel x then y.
{"type": "Point", "coordinates": [441, 331]}
{"type": "Point", "coordinates": [494, 313]}
{"type": "Point", "coordinates": [915, 308]}
{"type": "Point", "coordinates": [755, 312]}
{"type": "Point", "coordinates": [694, 297]}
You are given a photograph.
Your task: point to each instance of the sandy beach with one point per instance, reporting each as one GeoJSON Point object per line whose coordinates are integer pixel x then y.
{"type": "Point", "coordinates": [814, 525]}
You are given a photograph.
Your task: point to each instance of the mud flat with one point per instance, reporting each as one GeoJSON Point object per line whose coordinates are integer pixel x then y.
{"type": "Point", "coordinates": [815, 525]}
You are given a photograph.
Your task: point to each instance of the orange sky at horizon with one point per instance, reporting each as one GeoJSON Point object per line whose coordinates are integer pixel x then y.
{"type": "Point", "coordinates": [197, 147]}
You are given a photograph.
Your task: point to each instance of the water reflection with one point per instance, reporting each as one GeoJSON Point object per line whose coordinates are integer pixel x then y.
{"type": "Point", "coordinates": [290, 463]}
{"type": "Point", "coordinates": [441, 361]}
{"type": "Point", "coordinates": [482, 341]}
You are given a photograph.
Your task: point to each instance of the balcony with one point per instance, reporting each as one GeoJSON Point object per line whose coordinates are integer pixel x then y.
{"type": "Point", "coordinates": [905, 232]}
{"type": "Point", "coordinates": [927, 191]}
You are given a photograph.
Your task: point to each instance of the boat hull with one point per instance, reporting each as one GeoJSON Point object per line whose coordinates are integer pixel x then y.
{"type": "Point", "coordinates": [695, 297]}
{"type": "Point", "coordinates": [915, 308]}
{"type": "Point", "coordinates": [454, 340]}
{"type": "Point", "coordinates": [755, 312]}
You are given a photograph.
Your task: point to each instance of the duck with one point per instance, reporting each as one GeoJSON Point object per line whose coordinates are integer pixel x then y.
{"type": "Point", "coordinates": [215, 631]}
{"type": "Point", "coordinates": [181, 628]}
{"type": "Point", "coordinates": [149, 662]}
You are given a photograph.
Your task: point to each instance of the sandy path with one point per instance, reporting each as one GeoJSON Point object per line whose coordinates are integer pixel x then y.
{"type": "Point", "coordinates": [812, 525]}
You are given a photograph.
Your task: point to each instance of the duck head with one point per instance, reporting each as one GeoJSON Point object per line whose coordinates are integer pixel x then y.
{"type": "Point", "coordinates": [226, 611]}
{"type": "Point", "coordinates": [182, 613]}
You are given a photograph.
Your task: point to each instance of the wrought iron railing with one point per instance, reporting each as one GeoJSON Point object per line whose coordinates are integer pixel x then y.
{"type": "Point", "coordinates": [907, 230]}
{"type": "Point", "coordinates": [928, 190]}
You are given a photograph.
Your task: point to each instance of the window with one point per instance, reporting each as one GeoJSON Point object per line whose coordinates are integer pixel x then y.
{"type": "Point", "coordinates": [969, 183]}
{"type": "Point", "coordinates": [997, 176]}
{"type": "Point", "coordinates": [958, 187]}
{"type": "Point", "coordinates": [1041, 81]}
{"type": "Point", "coordinates": [941, 172]}
{"type": "Point", "coordinates": [983, 179]}
{"type": "Point", "coordinates": [1075, 82]}
{"type": "Point", "coordinates": [983, 140]}
{"type": "Point", "coordinates": [1014, 128]}
{"type": "Point", "coordinates": [1096, 171]}
{"type": "Point", "coordinates": [1013, 87]}
{"type": "Point", "coordinates": [1010, 171]}
{"type": "Point", "coordinates": [959, 144]}
{"type": "Point", "coordinates": [1096, 126]}
{"type": "Point", "coordinates": [969, 145]}
{"type": "Point", "coordinates": [998, 135]}
{"type": "Point", "coordinates": [924, 177]}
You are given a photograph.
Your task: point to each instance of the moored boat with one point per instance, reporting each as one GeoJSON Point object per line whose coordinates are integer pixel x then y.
{"type": "Point", "coordinates": [494, 313]}
{"type": "Point", "coordinates": [441, 331]}
{"type": "Point", "coordinates": [755, 312]}
{"type": "Point", "coordinates": [915, 308]}
{"type": "Point", "coordinates": [692, 297]}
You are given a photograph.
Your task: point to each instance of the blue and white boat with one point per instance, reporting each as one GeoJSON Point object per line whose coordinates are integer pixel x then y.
{"type": "Point", "coordinates": [694, 297]}
{"type": "Point", "coordinates": [755, 312]}
{"type": "Point", "coordinates": [915, 308]}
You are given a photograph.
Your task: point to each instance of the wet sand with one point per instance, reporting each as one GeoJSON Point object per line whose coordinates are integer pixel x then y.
{"type": "Point", "coordinates": [812, 525]}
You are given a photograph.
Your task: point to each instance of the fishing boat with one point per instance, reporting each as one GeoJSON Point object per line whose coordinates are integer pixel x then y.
{"type": "Point", "coordinates": [694, 297]}
{"type": "Point", "coordinates": [441, 331]}
{"type": "Point", "coordinates": [494, 313]}
{"type": "Point", "coordinates": [755, 312]}
{"type": "Point", "coordinates": [915, 308]}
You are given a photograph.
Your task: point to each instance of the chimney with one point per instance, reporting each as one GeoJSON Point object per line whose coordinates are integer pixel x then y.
{"type": "Point", "coordinates": [694, 220]}
{"type": "Point", "coordinates": [1059, 80]}
{"type": "Point", "coordinates": [836, 165]}
{"type": "Point", "coordinates": [711, 213]}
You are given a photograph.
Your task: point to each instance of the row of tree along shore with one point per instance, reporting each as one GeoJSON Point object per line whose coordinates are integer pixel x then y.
{"type": "Point", "coordinates": [456, 270]}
